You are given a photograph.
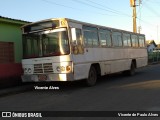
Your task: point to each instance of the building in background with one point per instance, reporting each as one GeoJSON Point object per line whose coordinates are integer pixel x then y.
{"type": "Point", "coordinates": [151, 45]}
{"type": "Point", "coordinates": [10, 47]}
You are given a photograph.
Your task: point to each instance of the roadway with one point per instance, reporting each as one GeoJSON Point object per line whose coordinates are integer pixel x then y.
{"type": "Point", "coordinates": [111, 93]}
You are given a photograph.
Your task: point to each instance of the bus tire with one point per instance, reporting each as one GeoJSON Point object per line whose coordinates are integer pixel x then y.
{"type": "Point", "coordinates": [92, 77]}
{"type": "Point", "coordinates": [131, 71]}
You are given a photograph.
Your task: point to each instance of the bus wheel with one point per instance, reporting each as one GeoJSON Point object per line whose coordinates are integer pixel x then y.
{"type": "Point", "coordinates": [92, 77]}
{"type": "Point", "coordinates": [132, 69]}
{"type": "Point", "coordinates": [130, 72]}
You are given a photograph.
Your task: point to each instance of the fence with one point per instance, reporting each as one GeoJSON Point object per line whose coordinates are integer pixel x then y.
{"type": "Point", "coordinates": [153, 57]}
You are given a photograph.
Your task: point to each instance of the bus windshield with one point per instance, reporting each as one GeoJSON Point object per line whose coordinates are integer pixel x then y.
{"type": "Point", "coordinates": [47, 43]}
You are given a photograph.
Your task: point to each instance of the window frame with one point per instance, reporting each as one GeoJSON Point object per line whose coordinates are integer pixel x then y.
{"type": "Point", "coordinates": [107, 34]}
{"type": "Point", "coordinates": [117, 39]}
{"type": "Point", "coordinates": [129, 42]}
{"type": "Point", "coordinates": [140, 39]}
{"type": "Point", "coordinates": [135, 42]}
{"type": "Point", "coordinates": [92, 31]}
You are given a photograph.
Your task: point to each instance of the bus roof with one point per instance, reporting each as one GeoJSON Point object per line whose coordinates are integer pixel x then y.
{"type": "Point", "coordinates": [81, 22]}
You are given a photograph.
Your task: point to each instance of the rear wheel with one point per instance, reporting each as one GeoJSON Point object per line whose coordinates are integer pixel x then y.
{"type": "Point", "coordinates": [92, 77]}
{"type": "Point", "coordinates": [131, 72]}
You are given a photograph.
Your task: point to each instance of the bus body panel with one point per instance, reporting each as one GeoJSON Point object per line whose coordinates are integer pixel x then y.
{"type": "Point", "coordinates": [110, 60]}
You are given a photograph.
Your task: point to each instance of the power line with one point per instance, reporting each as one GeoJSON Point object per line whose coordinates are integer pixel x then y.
{"type": "Point", "coordinates": [155, 2]}
{"type": "Point", "coordinates": [51, 2]}
{"type": "Point", "coordinates": [149, 7]}
{"type": "Point", "coordinates": [144, 4]}
{"type": "Point", "coordinates": [100, 8]}
{"type": "Point", "coordinates": [110, 9]}
{"type": "Point", "coordinates": [145, 21]}
{"type": "Point", "coordinates": [152, 10]}
{"type": "Point", "coordinates": [54, 3]}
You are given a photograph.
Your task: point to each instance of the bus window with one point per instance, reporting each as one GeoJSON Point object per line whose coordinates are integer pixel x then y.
{"type": "Point", "coordinates": [117, 39]}
{"type": "Point", "coordinates": [31, 46]}
{"type": "Point", "coordinates": [105, 38]}
{"type": "Point", "coordinates": [77, 45]}
{"type": "Point", "coordinates": [90, 36]}
{"type": "Point", "coordinates": [79, 36]}
{"type": "Point", "coordinates": [134, 41]}
{"type": "Point", "coordinates": [126, 40]}
{"type": "Point", "coordinates": [95, 39]}
{"type": "Point", "coordinates": [141, 41]}
{"type": "Point", "coordinates": [79, 41]}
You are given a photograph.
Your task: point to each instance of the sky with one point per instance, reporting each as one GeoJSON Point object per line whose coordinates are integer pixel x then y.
{"type": "Point", "coordinates": [111, 13]}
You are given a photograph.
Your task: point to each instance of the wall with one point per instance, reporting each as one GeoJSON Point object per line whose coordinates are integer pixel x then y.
{"type": "Point", "coordinates": [10, 50]}
{"type": "Point", "coordinates": [12, 33]}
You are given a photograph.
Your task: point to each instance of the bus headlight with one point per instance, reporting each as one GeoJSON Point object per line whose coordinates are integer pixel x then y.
{"type": "Point", "coordinates": [27, 70]}
{"type": "Point", "coordinates": [63, 69]}
{"type": "Point", "coordinates": [60, 68]}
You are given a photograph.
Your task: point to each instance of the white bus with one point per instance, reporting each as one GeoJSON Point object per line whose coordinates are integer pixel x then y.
{"type": "Point", "coordinates": [63, 49]}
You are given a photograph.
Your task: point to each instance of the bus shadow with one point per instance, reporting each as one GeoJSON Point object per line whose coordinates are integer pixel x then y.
{"type": "Point", "coordinates": [110, 81]}
{"type": "Point", "coordinates": [141, 80]}
{"type": "Point", "coordinates": [57, 86]}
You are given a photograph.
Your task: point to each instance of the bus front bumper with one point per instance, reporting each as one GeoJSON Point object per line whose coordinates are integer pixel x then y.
{"type": "Point", "coordinates": [48, 77]}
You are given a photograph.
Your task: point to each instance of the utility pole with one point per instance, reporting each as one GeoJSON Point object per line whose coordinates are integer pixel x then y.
{"type": "Point", "coordinates": [133, 5]}
{"type": "Point", "coordinates": [157, 33]}
{"type": "Point", "coordinates": [139, 27]}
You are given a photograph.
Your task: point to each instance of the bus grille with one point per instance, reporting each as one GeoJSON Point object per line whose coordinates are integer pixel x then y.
{"type": "Point", "coordinates": [43, 68]}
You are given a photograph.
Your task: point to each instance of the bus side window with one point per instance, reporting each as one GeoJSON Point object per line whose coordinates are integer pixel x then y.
{"type": "Point", "coordinates": [79, 36]}
{"type": "Point", "coordinates": [108, 36]}
{"type": "Point", "coordinates": [77, 42]}
{"type": "Point", "coordinates": [117, 39]}
{"type": "Point", "coordinates": [126, 40]}
{"type": "Point", "coordinates": [134, 41]}
{"type": "Point", "coordinates": [141, 41]}
{"type": "Point", "coordinates": [105, 38]}
{"type": "Point", "coordinates": [90, 36]}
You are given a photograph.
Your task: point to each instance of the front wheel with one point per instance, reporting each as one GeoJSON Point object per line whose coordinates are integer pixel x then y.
{"type": "Point", "coordinates": [92, 77]}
